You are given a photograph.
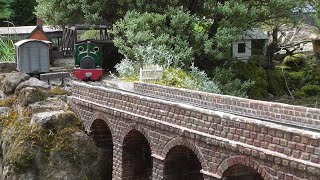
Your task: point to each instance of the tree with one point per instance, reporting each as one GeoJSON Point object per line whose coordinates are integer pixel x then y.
{"type": "Point", "coordinates": [6, 11]}
{"type": "Point", "coordinates": [19, 12]}
{"type": "Point", "coordinates": [71, 12]}
{"type": "Point", "coordinates": [23, 12]}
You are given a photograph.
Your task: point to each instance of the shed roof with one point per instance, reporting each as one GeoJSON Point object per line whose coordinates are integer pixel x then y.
{"type": "Point", "coordinates": [255, 33]}
{"type": "Point", "coordinates": [19, 43]}
{"type": "Point", "coordinates": [26, 30]}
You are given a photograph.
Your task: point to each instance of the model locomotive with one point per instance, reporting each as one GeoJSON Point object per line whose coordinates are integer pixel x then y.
{"type": "Point", "coordinates": [93, 57]}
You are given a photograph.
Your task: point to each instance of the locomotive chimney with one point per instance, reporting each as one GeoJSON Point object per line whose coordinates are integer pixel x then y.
{"type": "Point", "coordinates": [39, 23]}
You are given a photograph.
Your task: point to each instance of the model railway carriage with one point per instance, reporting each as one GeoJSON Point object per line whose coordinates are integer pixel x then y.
{"type": "Point", "coordinates": [92, 57]}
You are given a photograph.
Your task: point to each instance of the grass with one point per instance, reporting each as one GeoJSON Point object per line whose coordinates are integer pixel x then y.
{"type": "Point", "coordinates": [8, 102]}
{"type": "Point", "coordinates": [7, 52]}
{"type": "Point", "coordinates": [58, 91]}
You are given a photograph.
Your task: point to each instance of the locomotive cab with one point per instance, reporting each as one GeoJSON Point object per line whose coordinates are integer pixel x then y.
{"type": "Point", "coordinates": [88, 60]}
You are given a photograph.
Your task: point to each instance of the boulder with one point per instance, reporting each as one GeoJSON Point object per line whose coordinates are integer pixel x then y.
{"type": "Point", "coordinates": [31, 95]}
{"type": "Point", "coordinates": [50, 104]}
{"type": "Point", "coordinates": [74, 158]}
{"type": "Point", "coordinates": [11, 81]}
{"type": "Point", "coordinates": [55, 120]}
{"type": "Point", "coordinates": [33, 82]}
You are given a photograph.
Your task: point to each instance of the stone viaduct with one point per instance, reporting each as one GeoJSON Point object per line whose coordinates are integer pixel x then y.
{"type": "Point", "coordinates": [157, 132]}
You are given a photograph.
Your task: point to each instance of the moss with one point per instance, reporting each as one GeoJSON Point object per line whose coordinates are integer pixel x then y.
{"type": "Point", "coordinates": [8, 102]}
{"type": "Point", "coordinates": [296, 61]}
{"type": "Point", "coordinates": [58, 91]}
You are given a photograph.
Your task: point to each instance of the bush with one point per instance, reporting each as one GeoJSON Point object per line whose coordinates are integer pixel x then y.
{"type": "Point", "coordinates": [254, 73]}
{"type": "Point", "coordinates": [309, 90]}
{"type": "Point", "coordinates": [176, 32]}
{"type": "Point", "coordinates": [195, 79]}
{"type": "Point", "coordinates": [126, 69]}
{"type": "Point", "coordinates": [229, 84]}
{"type": "Point", "coordinates": [159, 55]}
{"type": "Point", "coordinates": [276, 82]}
{"type": "Point", "coordinates": [296, 61]}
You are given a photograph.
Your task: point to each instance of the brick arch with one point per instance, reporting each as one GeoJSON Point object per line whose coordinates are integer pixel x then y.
{"type": "Point", "coordinates": [189, 144]}
{"type": "Point", "coordinates": [245, 161]}
{"type": "Point", "coordinates": [99, 115]}
{"type": "Point", "coordinates": [142, 130]}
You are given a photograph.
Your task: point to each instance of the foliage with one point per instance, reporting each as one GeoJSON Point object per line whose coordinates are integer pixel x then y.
{"type": "Point", "coordinates": [126, 69]}
{"type": "Point", "coordinates": [23, 12]}
{"type": "Point", "coordinates": [173, 32]}
{"type": "Point", "coordinates": [61, 12]}
{"type": "Point", "coordinates": [7, 52]}
{"type": "Point", "coordinates": [229, 83]}
{"type": "Point", "coordinates": [309, 91]}
{"type": "Point", "coordinates": [6, 11]}
{"type": "Point", "coordinates": [18, 12]}
{"type": "Point", "coordinates": [224, 81]}
{"type": "Point", "coordinates": [276, 82]}
{"type": "Point", "coordinates": [295, 61]}
{"type": "Point", "coordinates": [151, 54]}
{"type": "Point", "coordinates": [195, 79]}
{"type": "Point", "coordinates": [251, 72]}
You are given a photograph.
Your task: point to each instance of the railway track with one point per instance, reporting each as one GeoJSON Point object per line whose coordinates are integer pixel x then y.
{"type": "Point", "coordinates": [288, 124]}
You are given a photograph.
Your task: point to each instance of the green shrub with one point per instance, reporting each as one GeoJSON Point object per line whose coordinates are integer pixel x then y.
{"type": "Point", "coordinates": [195, 79]}
{"type": "Point", "coordinates": [309, 90]}
{"type": "Point", "coordinates": [126, 69]}
{"type": "Point", "coordinates": [229, 84]}
{"type": "Point", "coordinates": [276, 82]}
{"type": "Point", "coordinates": [254, 73]}
{"type": "Point", "coordinates": [296, 61]}
{"type": "Point", "coordinates": [177, 32]}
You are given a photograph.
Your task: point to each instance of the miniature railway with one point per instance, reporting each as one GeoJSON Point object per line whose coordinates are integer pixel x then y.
{"type": "Point", "coordinates": [292, 125]}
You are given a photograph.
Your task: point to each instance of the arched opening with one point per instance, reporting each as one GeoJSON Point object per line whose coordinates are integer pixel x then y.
{"type": "Point", "coordinates": [241, 172]}
{"type": "Point", "coordinates": [102, 136]}
{"type": "Point", "coordinates": [182, 163]}
{"type": "Point", "coordinates": [136, 157]}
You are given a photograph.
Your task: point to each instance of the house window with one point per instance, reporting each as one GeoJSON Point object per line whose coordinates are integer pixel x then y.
{"type": "Point", "coordinates": [241, 48]}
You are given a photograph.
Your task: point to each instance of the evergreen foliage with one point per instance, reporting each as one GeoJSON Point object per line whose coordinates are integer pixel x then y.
{"type": "Point", "coordinates": [177, 33]}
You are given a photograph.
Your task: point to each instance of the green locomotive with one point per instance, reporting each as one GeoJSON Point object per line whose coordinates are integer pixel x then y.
{"type": "Point", "coordinates": [92, 57]}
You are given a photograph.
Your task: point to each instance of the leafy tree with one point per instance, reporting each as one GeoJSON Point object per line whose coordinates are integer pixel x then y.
{"type": "Point", "coordinates": [70, 12]}
{"type": "Point", "coordinates": [23, 12]}
{"type": "Point", "coordinates": [6, 11]}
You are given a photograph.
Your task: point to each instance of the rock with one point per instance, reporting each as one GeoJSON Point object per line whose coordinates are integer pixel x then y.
{"type": "Point", "coordinates": [31, 95]}
{"type": "Point", "coordinates": [7, 67]}
{"type": "Point", "coordinates": [50, 104]}
{"type": "Point", "coordinates": [76, 161]}
{"type": "Point", "coordinates": [4, 111]}
{"type": "Point", "coordinates": [11, 81]}
{"type": "Point", "coordinates": [55, 120]}
{"type": "Point", "coordinates": [2, 95]}
{"type": "Point", "coordinates": [33, 82]}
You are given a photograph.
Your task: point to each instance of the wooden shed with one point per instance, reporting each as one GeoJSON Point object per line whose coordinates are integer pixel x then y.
{"type": "Point", "coordinates": [32, 56]}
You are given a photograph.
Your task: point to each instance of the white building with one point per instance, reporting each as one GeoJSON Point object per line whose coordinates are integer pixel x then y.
{"type": "Point", "coordinates": [253, 42]}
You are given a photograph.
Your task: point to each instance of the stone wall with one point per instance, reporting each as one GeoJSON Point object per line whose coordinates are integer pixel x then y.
{"type": "Point", "coordinates": [219, 140]}
{"type": "Point", "coordinates": [298, 115]}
